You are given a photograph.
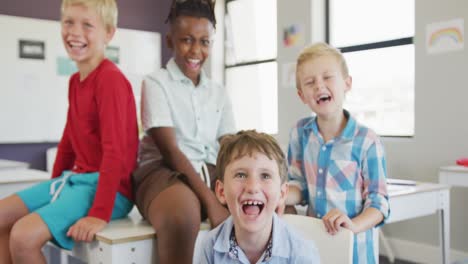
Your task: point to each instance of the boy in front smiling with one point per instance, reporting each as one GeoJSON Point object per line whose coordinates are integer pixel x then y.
{"type": "Point", "coordinates": [252, 171]}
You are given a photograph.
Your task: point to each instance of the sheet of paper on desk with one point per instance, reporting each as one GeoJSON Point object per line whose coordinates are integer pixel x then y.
{"type": "Point", "coordinates": [391, 181]}
{"type": "Point", "coordinates": [395, 190]}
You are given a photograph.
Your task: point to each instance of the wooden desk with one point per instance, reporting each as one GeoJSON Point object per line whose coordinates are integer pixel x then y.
{"type": "Point", "coordinates": [408, 202]}
{"type": "Point", "coordinates": [454, 175]}
{"type": "Point", "coordinates": [12, 164]}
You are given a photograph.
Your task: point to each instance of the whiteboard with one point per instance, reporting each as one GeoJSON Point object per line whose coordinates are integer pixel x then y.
{"type": "Point", "coordinates": [33, 92]}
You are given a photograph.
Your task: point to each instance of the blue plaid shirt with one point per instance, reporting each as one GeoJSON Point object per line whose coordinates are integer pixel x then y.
{"type": "Point", "coordinates": [347, 173]}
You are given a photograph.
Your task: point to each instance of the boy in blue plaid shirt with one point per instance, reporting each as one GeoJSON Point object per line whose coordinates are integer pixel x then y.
{"type": "Point", "coordinates": [336, 165]}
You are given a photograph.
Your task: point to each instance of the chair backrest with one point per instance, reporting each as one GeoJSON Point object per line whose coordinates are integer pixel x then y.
{"type": "Point", "coordinates": [332, 249]}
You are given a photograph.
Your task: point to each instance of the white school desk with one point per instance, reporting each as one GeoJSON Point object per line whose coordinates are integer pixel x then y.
{"type": "Point", "coordinates": [12, 164]}
{"type": "Point", "coordinates": [407, 202]}
{"type": "Point", "coordinates": [454, 175]}
{"type": "Point", "coordinates": [130, 240]}
{"type": "Point", "coordinates": [14, 180]}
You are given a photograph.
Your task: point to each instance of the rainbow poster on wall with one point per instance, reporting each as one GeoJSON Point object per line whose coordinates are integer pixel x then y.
{"type": "Point", "coordinates": [293, 36]}
{"type": "Point", "coordinates": [445, 36]}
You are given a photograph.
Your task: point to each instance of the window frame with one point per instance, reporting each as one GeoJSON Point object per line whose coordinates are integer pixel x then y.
{"type": "Point", "coordinates": [252, 62]}
{"type": "Point", "coordinates": [244, 63]}
{"type": "Point", "coordinates": [371, 46]}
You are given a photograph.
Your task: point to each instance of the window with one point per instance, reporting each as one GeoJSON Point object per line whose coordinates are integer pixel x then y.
{"type": "Point", "coordinates": [376, 38]}
{"type": "Point", "coordinates": [250, 63]}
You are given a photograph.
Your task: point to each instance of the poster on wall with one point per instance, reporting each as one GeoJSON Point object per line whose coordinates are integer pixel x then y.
{"type": "Point", "coordinates": [65, 66]}
{"type": "Point", "coordinates": [31, 49]}
{"type": "Point", "coordinates": [293, 36]}
{"type": "Point", "coordinates": [113, 54]}
{"type": "Point", "coordinates": [445, 36]}
{"type": "Point", "coordinates": [288, 75]}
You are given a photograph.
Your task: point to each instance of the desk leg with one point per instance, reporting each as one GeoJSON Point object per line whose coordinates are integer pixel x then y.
{"type": "Point", "coordinates": [444, 227]}
{"type": "Point", "coordinates": [386, 245]}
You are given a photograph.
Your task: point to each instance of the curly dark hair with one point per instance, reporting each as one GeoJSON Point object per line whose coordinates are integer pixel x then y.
{"type": "Point", "coordinates": [193, 8]}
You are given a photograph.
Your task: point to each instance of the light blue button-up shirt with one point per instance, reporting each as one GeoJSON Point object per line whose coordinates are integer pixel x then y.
{"type": "Point", "coordinates": [287, 246]}
{"type": "Point", "coordinates": [200, 115]}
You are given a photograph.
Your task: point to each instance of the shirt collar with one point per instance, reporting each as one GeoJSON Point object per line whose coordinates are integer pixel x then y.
{"type": "Point", "coordinates": [279, 248]}
{"type": "Point", "coordinates": [349, 130]}
{"type": "Point", "coordinates": [177, 75]}
{"type": "Point", "coordinates": [234, 248]}
{"type": "Point", "coordinates": [222, 242]}
{"type": "Point", "coordinates": [347, 133]}
{"type": "Point", "coordinates": [226, 242]}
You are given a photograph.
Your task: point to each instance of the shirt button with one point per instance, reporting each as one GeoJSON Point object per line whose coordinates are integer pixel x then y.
{"type": "Point", "coordinates": [319, 193]}
{"type": "Point", "coordinates": [324, 148]}
{"type": "Point", "coordinates": [318, 215]}
{"type": "Point", "coordinates": [320, 171]}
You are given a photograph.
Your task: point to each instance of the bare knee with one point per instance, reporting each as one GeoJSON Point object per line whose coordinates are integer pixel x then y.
{"type": "Point", "coordinates": [25, 237]}
{"type": "Point", "coordinates": [180, 224]}
{"type": "Point", "coordinates": [177, 212]}
{"type": "Point", "coordinates": [12, 209]}
{"type": "Point", "coordinates": [5, 225]}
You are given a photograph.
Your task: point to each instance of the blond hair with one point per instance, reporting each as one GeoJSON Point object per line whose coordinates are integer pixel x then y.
{"type": "Point", "coordinates": [317, 50]}
{"type": "Point", "coordinates": [106, 9]}
{"type": "Point", "coordinates": [247, 142]}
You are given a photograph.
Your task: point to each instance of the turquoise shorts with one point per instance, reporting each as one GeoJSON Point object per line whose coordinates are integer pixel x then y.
{"type": "Point", "coordinates": [72, 203]}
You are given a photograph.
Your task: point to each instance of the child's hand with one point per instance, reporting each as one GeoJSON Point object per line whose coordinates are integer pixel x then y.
{"type": "Point", "coordinates": [85, 228]}
{"type": "Point", "coordinates": [335, 219]}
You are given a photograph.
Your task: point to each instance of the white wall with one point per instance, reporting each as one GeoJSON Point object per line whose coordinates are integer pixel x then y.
{"type": "Point", "coordinates": [441, 109]}
{"type": "Point", "coordinates": [309, 14]}
{"type": "Point", "coordinates": [441, 129]}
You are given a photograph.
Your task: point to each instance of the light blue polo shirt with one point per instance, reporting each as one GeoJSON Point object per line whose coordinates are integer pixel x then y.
{"type": "Point", "coordinates": [200, 115]}
{"type": "Point", "coordinates": [287, 246]}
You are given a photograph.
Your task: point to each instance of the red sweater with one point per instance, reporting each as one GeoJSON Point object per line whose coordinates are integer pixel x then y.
{"type": "Point", "coordinates": [101, 134]}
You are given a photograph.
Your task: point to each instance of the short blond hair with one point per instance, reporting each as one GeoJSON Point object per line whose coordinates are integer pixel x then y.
{"type": "Point", "coordinates": [247, 142]}
{"type": "Point", "coordinates": [320, 49]}
{"type": "Point", "coordinates": [106, 9]}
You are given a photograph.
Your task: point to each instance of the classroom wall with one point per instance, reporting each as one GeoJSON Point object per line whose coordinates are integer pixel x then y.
{"type": "Point", "coordinates": [441, 127]}
{"type": "Point", "coordinates": [148, 15]}
{"type": "Point", "coordinates": [309, 17]}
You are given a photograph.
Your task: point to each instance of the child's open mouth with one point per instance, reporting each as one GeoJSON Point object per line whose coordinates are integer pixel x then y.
{"type": "Point", "coordinates": [323, 98]}
{"type": "Point", "coordinates": [193, 63]}
{"type": "Point", "coordinates": [252, 207]}
{"type": "Point", "coordinates": [76, 45]}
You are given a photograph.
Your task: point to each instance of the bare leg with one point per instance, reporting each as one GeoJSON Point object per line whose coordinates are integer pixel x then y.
{"type": "Point", "coordinates": [175, 215]}
{"type": "Point", "coordinates": [12, 209]}
{"type": "Point", "coordinates": [27, 237]}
